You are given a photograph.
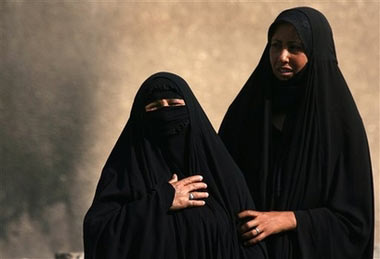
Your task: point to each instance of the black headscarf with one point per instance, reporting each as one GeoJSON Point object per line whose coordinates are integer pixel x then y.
{"type": "Point", "coordinates": [319, 165]}
{"type": "Point", "coordinates": [130, 216]}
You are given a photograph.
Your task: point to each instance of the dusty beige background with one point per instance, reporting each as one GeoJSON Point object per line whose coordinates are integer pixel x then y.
{"type": "Point", "coordinates": [69, 71]}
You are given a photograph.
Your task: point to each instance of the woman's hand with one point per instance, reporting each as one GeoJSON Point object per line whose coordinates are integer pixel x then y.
{"type": "Point", "coordinates": [264, 224]}
{"type": "Point", "coordinates": [187, 192]}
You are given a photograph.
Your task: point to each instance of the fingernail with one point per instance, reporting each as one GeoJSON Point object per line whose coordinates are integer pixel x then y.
{"type": "Point", "coordinates": [201, 177]}
{"type": "Point", "coordinates": [207, 194]}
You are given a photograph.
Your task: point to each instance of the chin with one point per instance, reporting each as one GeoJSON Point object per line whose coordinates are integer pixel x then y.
{"type": "Point", "coordinates": [283, 78]}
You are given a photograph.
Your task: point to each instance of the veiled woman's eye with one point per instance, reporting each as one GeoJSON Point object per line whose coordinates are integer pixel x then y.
{"type": "Point", "coordinates": [176, 102]}
{"type": "Point", "coordinates": [275, 45]}
{"type": "Point", "coordinates": [152, 107]}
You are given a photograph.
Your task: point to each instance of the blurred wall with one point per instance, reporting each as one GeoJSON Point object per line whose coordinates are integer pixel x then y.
{"type": "Point", "coordinates": [69, 71]}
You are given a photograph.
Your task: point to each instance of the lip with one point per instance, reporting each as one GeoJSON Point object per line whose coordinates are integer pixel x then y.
{"type": "Point", "coordinates": [285, 70]}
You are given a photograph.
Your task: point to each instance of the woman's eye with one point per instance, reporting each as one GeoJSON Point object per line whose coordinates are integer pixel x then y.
{"type": "Point", "coordinates": [176, 103]}
{"type": "Point", "coordinates": [295, 48]}
{"type": "Point", "coordinates": [275, 45]}
{"type": "Point", "coordinates": [152, 107]}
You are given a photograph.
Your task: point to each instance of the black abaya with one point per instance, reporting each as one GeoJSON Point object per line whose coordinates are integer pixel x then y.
{"type": "Point", "coordinates": [319, 165]}
{"type": "Point", "coordinates": [130, 216]}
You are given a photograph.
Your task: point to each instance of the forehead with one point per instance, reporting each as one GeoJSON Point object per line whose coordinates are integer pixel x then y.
{"type": "Point", "coordinates": [285, 32]}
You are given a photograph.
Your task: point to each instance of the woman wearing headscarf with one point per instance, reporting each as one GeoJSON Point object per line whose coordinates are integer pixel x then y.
{"type": "Point", "coordinates": [151, 201]}
{"type": "Point", "coordinates": [295, 132]}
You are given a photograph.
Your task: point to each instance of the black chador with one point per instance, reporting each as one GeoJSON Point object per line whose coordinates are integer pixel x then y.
{"type": "Point", "coordinates": [318, 164]}
{"type": "Point", "coordinates": [130, 216]}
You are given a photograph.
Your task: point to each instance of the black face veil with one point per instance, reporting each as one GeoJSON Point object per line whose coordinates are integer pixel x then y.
{"type": "Point", "coordinates": [130, 216]}
{"type": "Point", "coordinates": [319, 167]}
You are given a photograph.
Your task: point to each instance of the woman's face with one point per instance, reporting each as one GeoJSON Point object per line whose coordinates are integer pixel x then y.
{"type": "Point", "coordinates": [287, 54]}
{"type": "Point", "coordinates": [158, 104]}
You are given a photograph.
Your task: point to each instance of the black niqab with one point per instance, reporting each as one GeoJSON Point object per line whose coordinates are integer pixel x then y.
{"type": "Point", "coordinates": [319, 165]}
{"type": "Point", "coordinates": [130, 216]}
{"type": "Point", "coordinates": [168, 129]}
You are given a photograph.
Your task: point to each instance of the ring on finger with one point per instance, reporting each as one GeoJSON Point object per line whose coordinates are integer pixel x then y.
{"type": "Point", "coordinates": [257, 230]}
{"type": "Point", "coordinates": [191, 196]}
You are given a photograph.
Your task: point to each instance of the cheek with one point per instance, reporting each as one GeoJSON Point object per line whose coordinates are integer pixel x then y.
{"type": "Point", "coordinates": [299, 62]}
{"type": "Point", "coordinates": [272, 59]}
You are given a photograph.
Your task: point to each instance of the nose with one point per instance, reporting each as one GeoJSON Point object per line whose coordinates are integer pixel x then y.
{"type": "Point", "coordinates": [284, 56]}
{"type": "Point", "coordinates": [164, 103]}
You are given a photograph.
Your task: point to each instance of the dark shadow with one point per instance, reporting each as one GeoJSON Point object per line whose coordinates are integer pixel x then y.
{"type": "Point", "coordinates": [45, 107]}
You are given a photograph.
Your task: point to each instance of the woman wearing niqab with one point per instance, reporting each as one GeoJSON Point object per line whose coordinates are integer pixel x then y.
{"type": "Point", "coordinates": [133, 214]}
{"type": "Point", "coordinates": [302, 147]}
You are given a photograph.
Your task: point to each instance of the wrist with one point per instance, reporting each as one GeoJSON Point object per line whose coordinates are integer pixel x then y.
{"type": "Point", "coordinates": [292, 221]}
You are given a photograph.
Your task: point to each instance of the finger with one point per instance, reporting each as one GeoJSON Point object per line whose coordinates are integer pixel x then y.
{"type": "Point", "coordinates": [191, 179]}
{"type": "Point", "coordinates": [250, 242]}
{"type": "Point", "coordinates": [249, 234]}
{"type": "Point", "coordinates": [200, 195]}
{"type": "Point", "coordinates": [248, 225]}
{"type": "Point", "coordinates": [196, 203]}
{"type": "Point", "coordinates": [173, 179]}
{"type": "Point", "coordinates": [255, 240]}
{"type": "Point", "coordinates": [248, 213]}
{"type": "Point", "coordinates": [195, 186]}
